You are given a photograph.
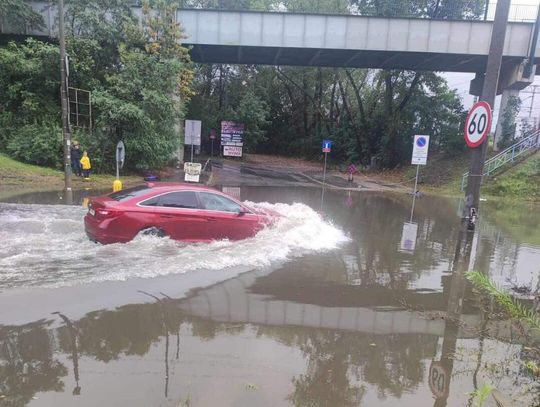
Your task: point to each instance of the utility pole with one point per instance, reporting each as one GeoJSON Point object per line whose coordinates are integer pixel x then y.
{"type": "Point", "coordinates": [533, 94]}
{"type": "Point", "coordinates": [489, 91]}
{"type": "Point", "coordinates": [65, 108]}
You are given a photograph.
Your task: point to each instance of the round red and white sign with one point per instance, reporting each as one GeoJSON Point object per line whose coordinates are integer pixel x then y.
{"type": "Point", "coordinates": [478, 124]}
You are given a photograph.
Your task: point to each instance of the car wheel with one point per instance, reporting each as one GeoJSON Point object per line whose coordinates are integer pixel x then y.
{"type": "Point", "coordinates": [153, 231]}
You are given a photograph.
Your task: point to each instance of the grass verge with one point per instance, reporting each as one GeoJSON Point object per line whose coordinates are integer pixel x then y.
{"type": "Point", "coordinates": [18, 178]}
{"type": "Point", "coordinates": [520, 182]}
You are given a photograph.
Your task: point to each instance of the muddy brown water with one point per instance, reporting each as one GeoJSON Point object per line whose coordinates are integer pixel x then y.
{"type": "Point", "coordinates": [331, 311]}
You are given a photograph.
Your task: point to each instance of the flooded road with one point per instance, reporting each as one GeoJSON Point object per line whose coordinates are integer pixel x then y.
{"type": "Point", "coordinates": [336, 306]}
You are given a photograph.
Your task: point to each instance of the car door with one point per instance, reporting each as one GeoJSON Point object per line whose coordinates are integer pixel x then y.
{"type": "Point", "coordinates": [180, 216]}
{"type": "Point", "coordinates": [226, 218]}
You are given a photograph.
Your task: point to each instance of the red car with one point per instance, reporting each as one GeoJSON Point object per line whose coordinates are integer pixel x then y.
{"type": "Point", "coordinates": [184, 212]}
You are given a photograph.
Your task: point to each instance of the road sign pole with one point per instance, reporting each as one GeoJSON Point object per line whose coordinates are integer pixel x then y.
{"type": "Point", "coordinates": [416, 180]}
{"type": "Point", "coordinates": [191, 153]}
{"type": "Point", "coordinates": [324, 170]}
{"type": "Point", "coordinates": [212, 148]}
{"type": "Point", "coordinates": [324, 181]}
{"type": "Point", "coordinates": [489, 90]}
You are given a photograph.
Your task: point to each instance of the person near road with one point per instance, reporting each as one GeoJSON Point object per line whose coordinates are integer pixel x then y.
{"type": "Point", "coordinates": [86, 166]}
{"type": "Point", "coordinates": [76, 159]}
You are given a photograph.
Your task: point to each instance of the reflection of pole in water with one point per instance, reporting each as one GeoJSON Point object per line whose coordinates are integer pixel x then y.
{"type": "Point", "coordinates": [166, 330]}
{"type": "Point", "coordinates": [414, 192]}
{"type": "Point", "coordinates": [440, 372]}
{"type": "Point", "coordinates": [74, 352]}
{"type": "Point", "coordinates": [480, 353]}
{"type": "Point", "coordinates": [177, 331]}
{"type": "Point", "coordinates": [166, 363]}
{"type": "Point", "coordinates": [412, 207]}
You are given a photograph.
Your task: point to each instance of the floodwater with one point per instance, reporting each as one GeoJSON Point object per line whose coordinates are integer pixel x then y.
{"type": "Point", "coordinates": [337, 305]}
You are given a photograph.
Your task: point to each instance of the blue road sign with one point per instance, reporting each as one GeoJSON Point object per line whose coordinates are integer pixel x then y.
{"type": "Point", "coordinates": [421, 141]}
{"type": "Point", "coordinates": [327, 144]}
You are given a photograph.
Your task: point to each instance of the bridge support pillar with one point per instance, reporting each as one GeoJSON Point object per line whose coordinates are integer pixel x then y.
{"type": "Point", "coordinates": [511, 77]}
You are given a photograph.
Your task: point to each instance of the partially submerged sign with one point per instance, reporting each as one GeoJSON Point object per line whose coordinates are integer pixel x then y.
{"type": "Point", "coordinates": [408, 237]}
{"type": "Point", "coordinates": [439, 380]}
{"type": "Point", "coordinates": [420, 150]}
{"type": "Point", "coordinates": [192, 172]}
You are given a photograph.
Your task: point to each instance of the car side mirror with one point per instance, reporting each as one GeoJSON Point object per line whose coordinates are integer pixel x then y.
{"type": "Point", "coordinates": [242, 212]}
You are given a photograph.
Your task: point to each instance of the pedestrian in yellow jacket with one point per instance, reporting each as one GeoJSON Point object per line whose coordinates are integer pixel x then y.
{"type": "Point", "coordinates": [86, 166]}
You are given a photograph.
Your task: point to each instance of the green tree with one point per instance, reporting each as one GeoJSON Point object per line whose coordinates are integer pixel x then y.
{"type": "Point", "coordinates": [20, 13]}
{"type": "Point", "coordinates": [137, 71]}
{"type": "Point", "coordinates": [508, 125]}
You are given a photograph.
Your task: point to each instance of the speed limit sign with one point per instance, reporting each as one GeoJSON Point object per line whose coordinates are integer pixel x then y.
{"type": "Point", "coordinates": [478, 124]}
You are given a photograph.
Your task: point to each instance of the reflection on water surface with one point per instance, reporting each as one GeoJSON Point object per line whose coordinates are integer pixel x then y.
{"type": "Point", "coordinates": [365, 324]}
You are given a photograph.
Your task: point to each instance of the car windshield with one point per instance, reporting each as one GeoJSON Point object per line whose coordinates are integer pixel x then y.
{"type": "Point", "coordinates": [129, 193]}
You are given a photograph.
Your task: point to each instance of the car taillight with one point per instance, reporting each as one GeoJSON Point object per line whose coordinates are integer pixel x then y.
{"type": "Point", "coordinates": [104, 213]}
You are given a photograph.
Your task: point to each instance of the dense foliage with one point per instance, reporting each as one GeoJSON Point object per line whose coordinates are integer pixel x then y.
{"type": "Point", "coordinates": [371, 115]}
{"type": "Point", "coordinates": [141, 78]}
{"type": "Point", "coordinates": [508, 124]}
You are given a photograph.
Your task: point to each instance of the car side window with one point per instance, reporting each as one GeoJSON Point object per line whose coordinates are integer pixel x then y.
{"type": "Point", "coordinates": [185, 199]}
{"type": "Point", "coordinates": [214, 202]}
{"type": "Point", "coordinates": [150, 202]}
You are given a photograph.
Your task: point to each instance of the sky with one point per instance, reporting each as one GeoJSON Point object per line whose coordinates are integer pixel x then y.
{"type": "Point", "coordinates": [460, 81]}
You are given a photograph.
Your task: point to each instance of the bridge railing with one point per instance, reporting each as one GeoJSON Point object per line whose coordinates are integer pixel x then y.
{"type": "Point", "coordinates": [518, 12]}
{"type": "Point", "coordinates": [527, 144]}
{"type": "Point", "coordinates": [396, 8]}
{"type": "Point", "coordinates": [400, 8]}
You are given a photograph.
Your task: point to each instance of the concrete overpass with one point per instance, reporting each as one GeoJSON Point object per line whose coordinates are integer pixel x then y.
{"type": "Point", "coordinates": [246, 37]}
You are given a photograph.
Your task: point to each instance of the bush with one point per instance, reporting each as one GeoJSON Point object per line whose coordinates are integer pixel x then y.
{"type": "Point", "coordinates": [39, 144]}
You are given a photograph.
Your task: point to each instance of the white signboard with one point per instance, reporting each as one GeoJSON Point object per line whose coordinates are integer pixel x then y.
{"type": "Point", "coordinates": [192, 172]}
{"type": "Point", "coordinates": [120, 154]}
{"type": "Point", "coordinates": [193, 132]}
{"type": "Point", "coordinates": [232, 151]}
{"type": "Point", "coordinates": [232, 191]}
{"type": "Point", "coordinates": [408, 237]}
{"type": "Point", "coordinates": [420, 150]}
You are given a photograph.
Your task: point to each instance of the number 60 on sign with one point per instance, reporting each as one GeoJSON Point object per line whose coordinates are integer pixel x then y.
{"type": "Point", "coordinates": [478, 124]}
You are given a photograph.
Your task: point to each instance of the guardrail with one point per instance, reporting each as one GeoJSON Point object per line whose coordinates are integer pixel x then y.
{"type": "Point", "coordinates": [518, 12]}
{"type": "Point", "coordinates": [529, 143]}
{"type": "Point", "coordinates": [396, 8]}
